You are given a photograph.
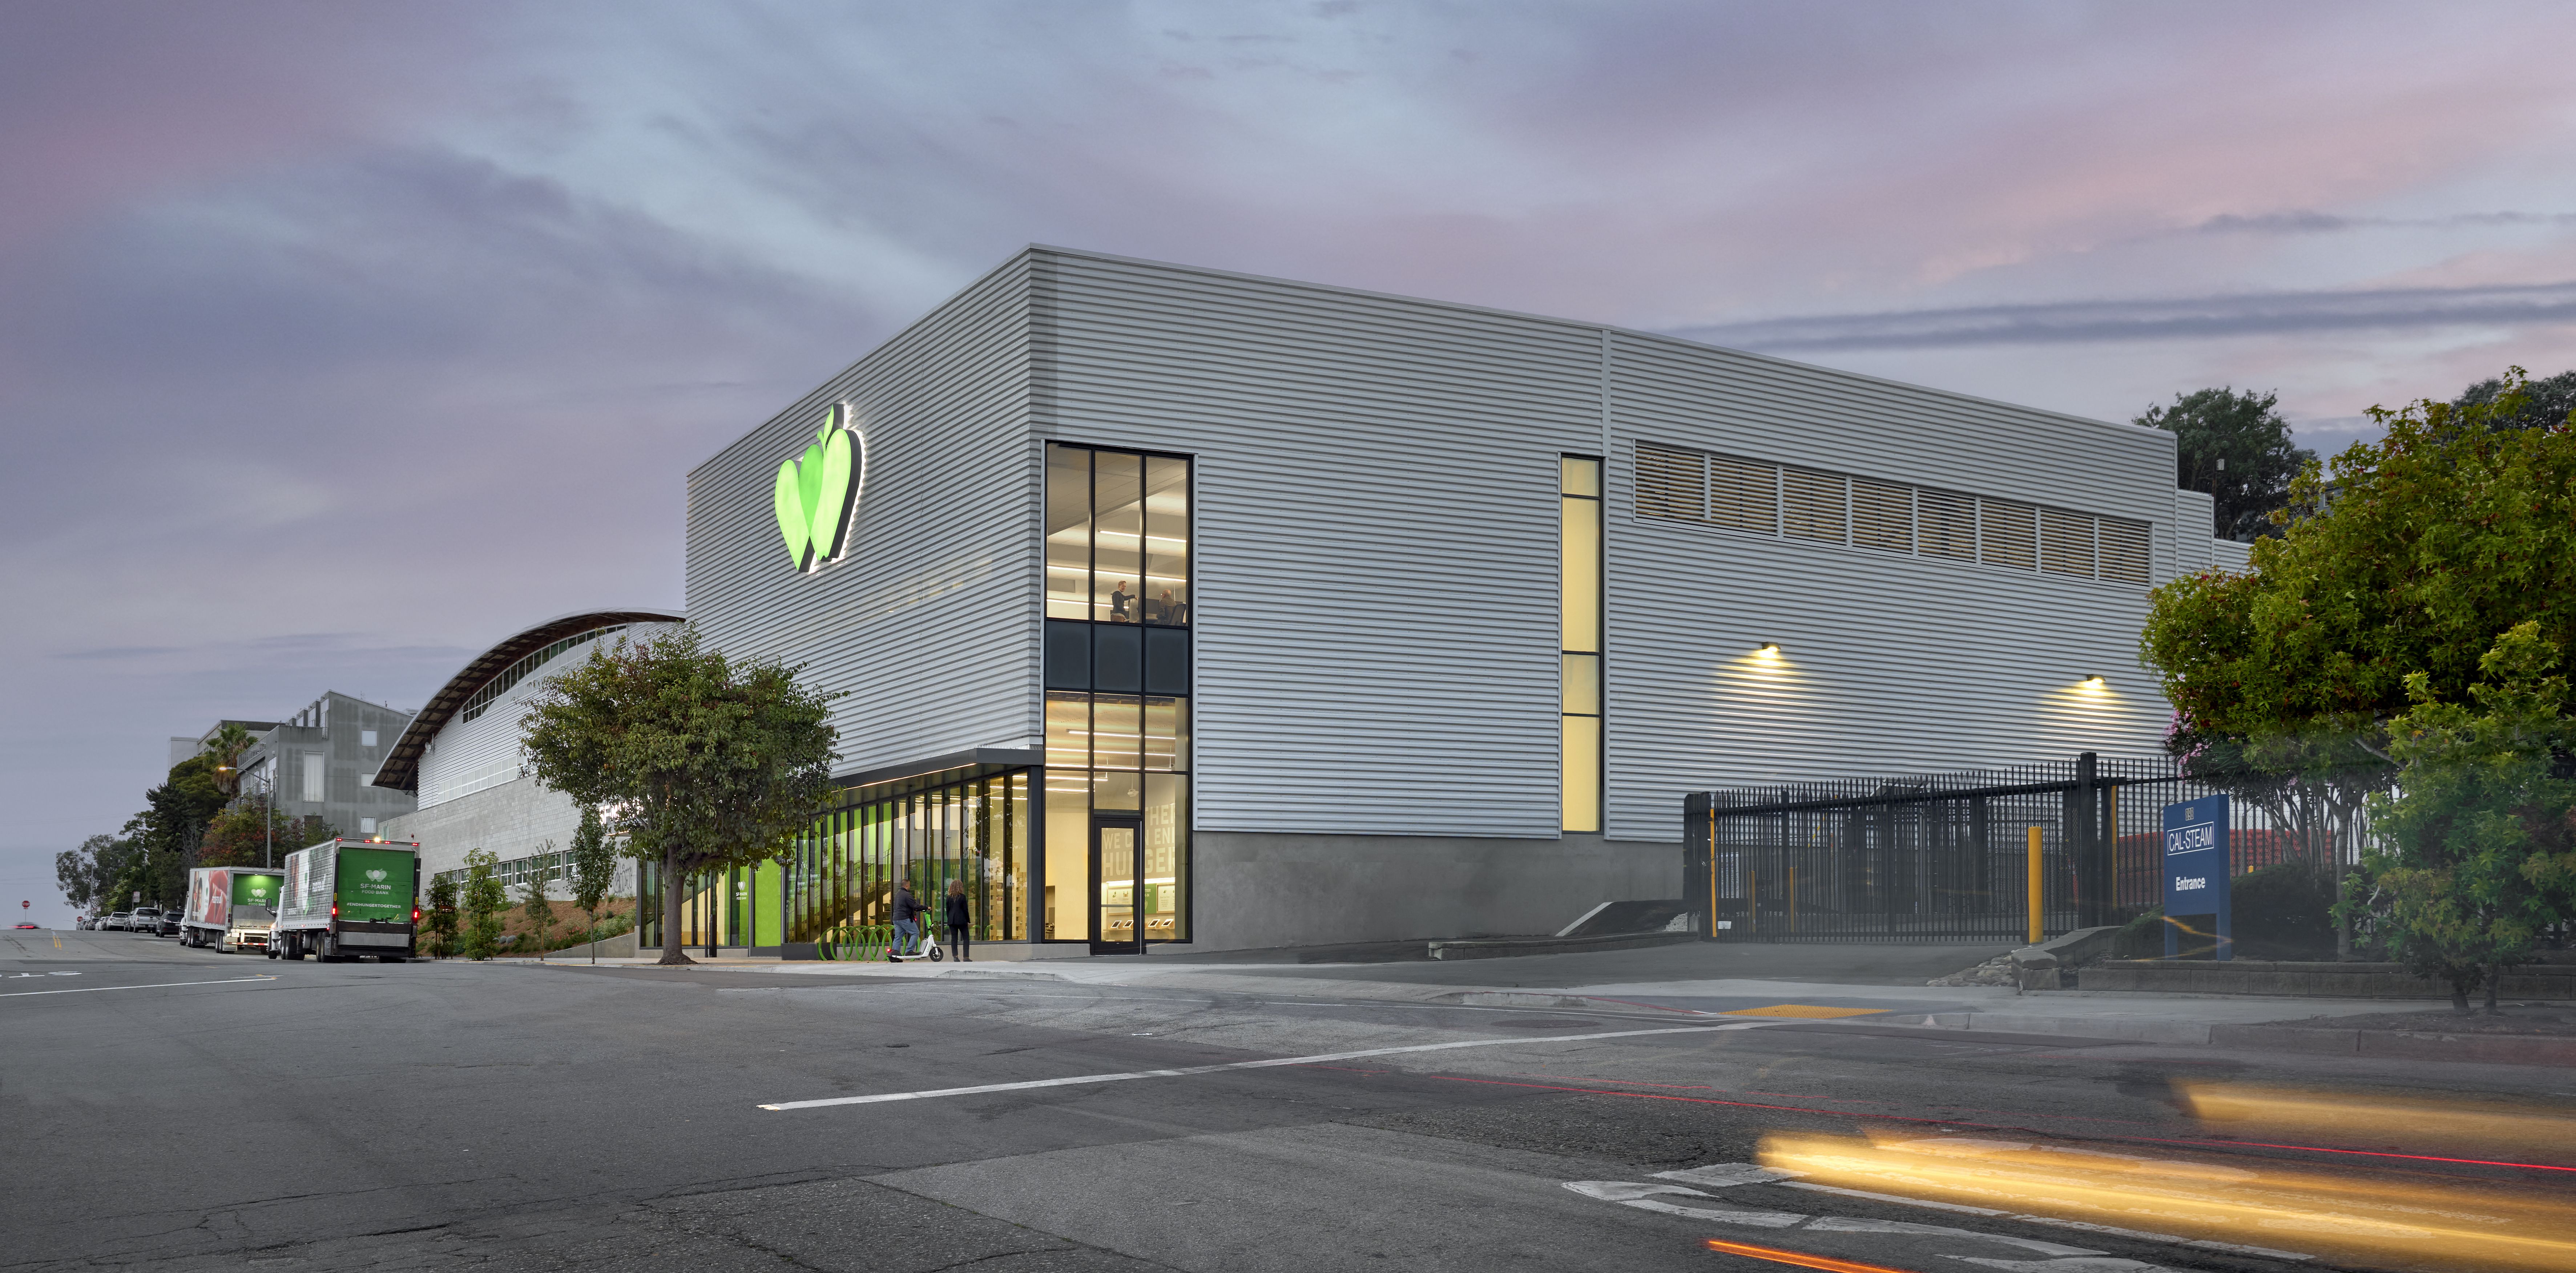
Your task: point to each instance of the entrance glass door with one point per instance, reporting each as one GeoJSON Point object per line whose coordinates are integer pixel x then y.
{"type": "Point", "coordinates": [1115, 859]}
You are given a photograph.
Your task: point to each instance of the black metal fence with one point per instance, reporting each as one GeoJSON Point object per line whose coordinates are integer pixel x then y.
{"type": "Point", "coordinates": [1943, 857]}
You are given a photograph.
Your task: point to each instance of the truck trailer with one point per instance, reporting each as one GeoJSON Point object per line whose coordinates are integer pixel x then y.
{"type": "Point", "coordinates": [346, 898]}
{"type": "Point", "coordinates": [230, 907]}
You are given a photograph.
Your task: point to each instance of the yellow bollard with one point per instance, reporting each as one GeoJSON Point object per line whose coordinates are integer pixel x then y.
{"type": "Point", "coordinates": [2036, 914]}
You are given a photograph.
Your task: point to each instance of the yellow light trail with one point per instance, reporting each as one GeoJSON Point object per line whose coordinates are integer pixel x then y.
{"type": "Point", "coordinates": [2481, 1127]}
{"type": "Point", "coordinates": [2447, 1226]}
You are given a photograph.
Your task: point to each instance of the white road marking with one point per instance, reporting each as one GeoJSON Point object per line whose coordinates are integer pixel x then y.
{"type": "Point", "coordinates": [157, 985]}
{"type": "Point", "coordinates": [1627, 1194]}
{"type": "Point", "coordinates": [1641, 1197]}
{"type": "Point", "coordinates": [1729, 1175]}
{"type": "Point", "coordinates": [1186, 1071]}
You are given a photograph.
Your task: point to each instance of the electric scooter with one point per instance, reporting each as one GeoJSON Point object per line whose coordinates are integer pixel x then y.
{"type": "Point", "coordinates": [930, 951]}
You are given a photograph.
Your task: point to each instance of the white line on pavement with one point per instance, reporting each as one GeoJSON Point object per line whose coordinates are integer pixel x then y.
{"type": "Point", "coordinates": [157, 985]}
{"type": "Point", "coordinates": [1247, 1065]}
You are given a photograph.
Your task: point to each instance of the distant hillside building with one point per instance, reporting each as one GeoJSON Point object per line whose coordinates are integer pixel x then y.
{"type": "Point", "coordinates": [317, 763]}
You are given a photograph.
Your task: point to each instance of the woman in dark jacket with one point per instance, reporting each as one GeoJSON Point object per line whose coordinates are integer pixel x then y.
{"type": "Point", "coordinates": [959, 941]}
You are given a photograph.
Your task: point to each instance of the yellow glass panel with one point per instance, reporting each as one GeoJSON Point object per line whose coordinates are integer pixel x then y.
{"type": "Point", "coordinates": [1068, 731]}
{"type": "Point", "coordinates": [1580, 476]}
{"type": "Point", "coordinates": [1582, 741]}
{"type": "Point", "coordinates": [1581, 537]}
{"type": "Point", "coordinates": [1066, 907]}
{"type": "Point", "coordinates": [1582, 680]}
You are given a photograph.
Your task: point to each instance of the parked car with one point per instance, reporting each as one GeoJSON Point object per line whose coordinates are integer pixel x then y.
{"type": "Point", "coordinates": [169, 926]}
{"type": "Point", "coordinates": [115, 922]}
{"type": "Point", "coordinates": [84, 921]}
{"type": "Point", "coordinates": [142, 919]}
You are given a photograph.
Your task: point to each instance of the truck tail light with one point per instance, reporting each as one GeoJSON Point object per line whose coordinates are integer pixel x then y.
{"type": "Point", "coordinates": [415, 915]}
{"type": "Point", "coordinates": [335, 910]}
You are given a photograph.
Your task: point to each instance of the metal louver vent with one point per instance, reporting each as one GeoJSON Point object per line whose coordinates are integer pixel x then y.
{"type": "Point", "coordinates": [1816, 506]}
{"type": "Point", "coordinates": [2008, 534]}
{"type": "Point", "coordinates": [2065, 543]}
{"type": "Point", "coordinates": [2124, 551]}
{"type": "Point", "coordinates": [1949, 525]}
{"type": "Point", "coordinates": [1882, 516]}
{"type": "Point", "coordinates": [1671, 484]}
{"type": "Point", "coordinates": [1744, 495]}
{"type": "Point", "coordinates": [1674, 484]}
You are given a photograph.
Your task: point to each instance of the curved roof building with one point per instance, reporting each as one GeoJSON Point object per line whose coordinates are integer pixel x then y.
{"type": "Point", "coordinates": [461, 755]}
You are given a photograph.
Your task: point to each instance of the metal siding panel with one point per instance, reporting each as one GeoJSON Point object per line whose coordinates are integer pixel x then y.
{"type": "Point", "coordinates": [1892, 663]}
{"type": "Point", "coordinates": [1376, 583]}
{"type": "Point", "coordinates": [1376, 552]}
{"type": "Point", "coordinates": [929, 621]}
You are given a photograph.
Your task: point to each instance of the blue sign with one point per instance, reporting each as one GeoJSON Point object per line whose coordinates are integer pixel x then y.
{"type": "Point", "coordinates": [2197, 920]}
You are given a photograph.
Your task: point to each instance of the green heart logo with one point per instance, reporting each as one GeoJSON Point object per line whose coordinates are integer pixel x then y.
{"type": "Point", "coordinates": [814, 493]}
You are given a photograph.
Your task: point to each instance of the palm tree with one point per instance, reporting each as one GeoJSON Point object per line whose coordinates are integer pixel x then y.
{"type": "Point", "coordinates": [225, 747]}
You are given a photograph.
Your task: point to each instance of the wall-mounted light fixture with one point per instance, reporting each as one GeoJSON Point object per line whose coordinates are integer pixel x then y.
{"type": "Point", "coordinates": [1767, 647]}
{"type": "Point", "coordinates": [2096, 681]}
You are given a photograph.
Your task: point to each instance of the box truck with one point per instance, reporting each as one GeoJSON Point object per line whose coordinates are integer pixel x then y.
{"type": "Point", "coordinates": [230, 907]}
{"type": "Point", "coordinates": [346, 898]}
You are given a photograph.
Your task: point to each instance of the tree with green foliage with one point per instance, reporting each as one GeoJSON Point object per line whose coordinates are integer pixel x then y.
{"type": "Point", "coordinates": [2405, 556]}
{"type": "Point", "coordinates": [2478, 856]}
{"type": "Point", "coordinates": [167, 832]}
{"type": "Point", "coordinates": [254, 833]}
{"type": "Point", "coordinates": [593, 868]}
{"type": "Point", "coordinates": [88, 874]}
{"type": "Point", "coordinates": [482, 903]}
{"type": "Point", "coordinates": [438, 919]}
{"type": "Point", "coordinates": [2545, 403]}
{"type": "Point", "coordinates": [538, 909]}
{"type": "Point", "coordinates": [2234, 447]}
{"type": "Point", "coordinates": [715, 764]}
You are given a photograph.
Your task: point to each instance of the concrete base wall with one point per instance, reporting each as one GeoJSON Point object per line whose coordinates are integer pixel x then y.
{"type": "Point", "coordinates": [1257, 889]}
{"type": "Point", "coordinates": [513, 820]}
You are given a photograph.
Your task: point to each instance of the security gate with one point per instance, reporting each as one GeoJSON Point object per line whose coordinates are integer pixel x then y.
{"type": "Point", "coordinates": [1931, 858]}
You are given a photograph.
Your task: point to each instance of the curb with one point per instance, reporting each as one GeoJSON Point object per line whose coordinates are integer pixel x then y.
{"type": "Point", "coordinates": [2398, 1045]}
{"type": "Point", "coordinates": [2403, 1045]}
{"type": "Point", "coordinates": [1506, 947]}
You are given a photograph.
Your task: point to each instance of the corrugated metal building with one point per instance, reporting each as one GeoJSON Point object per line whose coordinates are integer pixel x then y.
{"type": "Point", "coordinates": [1194, 606]}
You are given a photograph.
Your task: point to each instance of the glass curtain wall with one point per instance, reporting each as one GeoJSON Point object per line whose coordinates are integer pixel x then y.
{"type": "Point", "coordinates": [1579, 652]}
{"type": "Point", "coordinates": [843, 869]}
{"type": "Point", "coordinates": [1119, 610]}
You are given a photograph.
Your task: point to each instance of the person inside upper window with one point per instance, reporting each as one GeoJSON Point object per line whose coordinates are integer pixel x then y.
{"type": "Point", "coordinates": [1118, 603]}
{"type": "Point", "coordinates": [1163, 609]}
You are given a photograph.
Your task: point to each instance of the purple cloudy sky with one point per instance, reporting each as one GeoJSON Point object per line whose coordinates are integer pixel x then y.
{"type": "Point", "coordinates": [338, 340]}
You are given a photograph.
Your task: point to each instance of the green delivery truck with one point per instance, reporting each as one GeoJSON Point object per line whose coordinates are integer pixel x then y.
{"type": "Point", "coordinates": [346, 898]}
{"type": "Point", "coordinates": [229, 907]}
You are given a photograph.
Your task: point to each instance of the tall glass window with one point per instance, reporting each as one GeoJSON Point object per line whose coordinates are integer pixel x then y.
{"type": "Point", "coordinates": [843, 870]}
{"type": "Point", "coordinates": [1117, 712]}
{"type": "Point", "coordinates": [1579, 646]}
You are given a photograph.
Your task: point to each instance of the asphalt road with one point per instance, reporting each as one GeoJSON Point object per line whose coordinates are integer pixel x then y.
{"type": "Point", "coordinates": [163, 1108]}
